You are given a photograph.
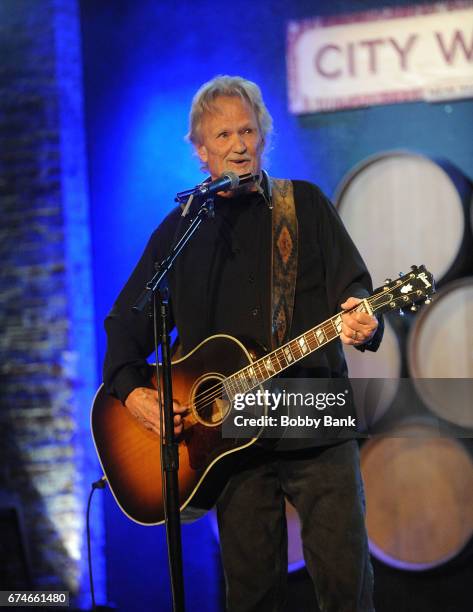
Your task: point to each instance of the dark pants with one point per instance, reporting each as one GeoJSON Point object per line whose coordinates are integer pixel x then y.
{"type": "Point", "coordinates": [325, 487]}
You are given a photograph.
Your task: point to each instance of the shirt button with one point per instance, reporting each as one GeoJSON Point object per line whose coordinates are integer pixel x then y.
{"type": "Point", "coordinates": [251, 278]}
{"type": "Point", "coordinates": [254, 312]}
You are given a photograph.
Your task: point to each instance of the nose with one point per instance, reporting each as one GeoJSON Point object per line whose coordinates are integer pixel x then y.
{"type": "Point", "coordinates": [239, 144]}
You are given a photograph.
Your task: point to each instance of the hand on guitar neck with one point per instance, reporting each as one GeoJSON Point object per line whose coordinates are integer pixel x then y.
{"type": "Point", "coordinates": [358, 327]}
{"type": "Point", "coordinates": [142, 403]}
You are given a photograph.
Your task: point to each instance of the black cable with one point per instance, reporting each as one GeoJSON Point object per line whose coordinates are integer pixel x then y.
{"type": "Point", "coordinates": [98, 484]}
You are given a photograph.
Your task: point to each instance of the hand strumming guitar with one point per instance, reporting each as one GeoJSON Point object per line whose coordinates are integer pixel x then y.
{"type": "Point", "coordinates": [142, 403]}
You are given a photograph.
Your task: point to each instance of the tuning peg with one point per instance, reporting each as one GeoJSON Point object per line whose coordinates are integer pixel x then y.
{"type": "Point", "coordinates": [413, 268]}
{"type": "Point", "coordinates": [401, 273]}
{"type": "Point", "coordinates": [401, 312]}
{"type": "Point", "coordinates": [427, 301]}
{"type": "Point", "coordinates": [414, 308]}
{"type": "Point", "coordinates": [387, 281]}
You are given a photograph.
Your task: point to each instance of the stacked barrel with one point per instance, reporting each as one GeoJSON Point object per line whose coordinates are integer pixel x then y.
{"type": "Point", "coordinates": [417, 397]}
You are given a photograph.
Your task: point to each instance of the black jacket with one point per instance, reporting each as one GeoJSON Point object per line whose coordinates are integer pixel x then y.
{"type": "Point", "coordinates": [221, 284]}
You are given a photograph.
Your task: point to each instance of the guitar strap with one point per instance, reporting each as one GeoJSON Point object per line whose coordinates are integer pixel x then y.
{"type": "Point", "coordinates": [284, 253]}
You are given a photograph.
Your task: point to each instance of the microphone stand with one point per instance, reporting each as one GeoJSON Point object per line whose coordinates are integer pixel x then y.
{"type": "Point", "coordinates": [155, 290]}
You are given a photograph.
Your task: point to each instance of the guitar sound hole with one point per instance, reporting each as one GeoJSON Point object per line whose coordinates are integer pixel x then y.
{"type": "Point", "coordinates": [210, 405]}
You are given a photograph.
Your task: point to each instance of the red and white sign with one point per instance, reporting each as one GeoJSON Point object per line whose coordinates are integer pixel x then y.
{"type": "Point", "coordinates": [381, 57]}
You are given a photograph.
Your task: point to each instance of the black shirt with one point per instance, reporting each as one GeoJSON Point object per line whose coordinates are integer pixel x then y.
{"type": "Point", "coordinates": [221, 284]}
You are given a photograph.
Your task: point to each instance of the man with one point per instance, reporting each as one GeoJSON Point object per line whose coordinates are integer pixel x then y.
{"type": "Point", "coordinates": [222, 284]}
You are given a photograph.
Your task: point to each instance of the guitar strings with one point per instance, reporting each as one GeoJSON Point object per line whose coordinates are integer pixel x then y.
{"type": "Point", "coordinates": [214, 392]}
{"type": "Point", "coordinates": [261, 371]}
{"type": "Point", "coordinates": [204, 400]}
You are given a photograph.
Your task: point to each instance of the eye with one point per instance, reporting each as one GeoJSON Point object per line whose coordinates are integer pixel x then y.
{"type": "Point", "coordinates": [223, 134]}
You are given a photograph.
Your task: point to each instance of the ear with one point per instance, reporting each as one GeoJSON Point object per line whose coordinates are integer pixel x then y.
{"type": "Point", "coordinates": [202, 153]}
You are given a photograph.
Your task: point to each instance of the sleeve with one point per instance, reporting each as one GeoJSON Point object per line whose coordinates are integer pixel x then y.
{"type": "Point", "coordinates": [130, 338]}
{"type": "Point", "coordinates": [346, 274]}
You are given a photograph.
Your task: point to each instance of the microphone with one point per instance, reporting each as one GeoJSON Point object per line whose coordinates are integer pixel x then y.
{"type": "Point", "coordinates": [226, 182]}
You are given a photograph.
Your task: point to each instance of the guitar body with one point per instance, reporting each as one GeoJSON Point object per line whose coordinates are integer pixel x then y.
{"type": "Point", "coordinates": [130, 454]}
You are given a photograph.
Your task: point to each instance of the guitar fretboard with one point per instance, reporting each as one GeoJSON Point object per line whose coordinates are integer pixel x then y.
{"type": "Point", "coordinates": [285, 356]}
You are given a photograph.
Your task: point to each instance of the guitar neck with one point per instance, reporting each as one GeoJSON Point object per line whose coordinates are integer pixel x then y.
{"type": "Point", "coordinates": [287, 355]}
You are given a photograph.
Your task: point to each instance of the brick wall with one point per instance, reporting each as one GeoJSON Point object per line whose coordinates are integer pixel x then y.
{"type": "Point", "coordinates": [47, 353]}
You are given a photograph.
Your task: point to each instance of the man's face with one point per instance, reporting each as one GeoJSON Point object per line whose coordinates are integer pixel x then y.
{"type": "Point", "coordinates": [230, 138]}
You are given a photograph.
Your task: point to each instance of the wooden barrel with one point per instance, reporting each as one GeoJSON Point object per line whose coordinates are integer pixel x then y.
{"type": "Point", "coordinates": [419, 495]}
{"type": "Point", "coordinates": [440, 353]}
{"type": "Point", "coordinates": [402, 209]}
{"type": "Point", "coordinates": [375, 377]}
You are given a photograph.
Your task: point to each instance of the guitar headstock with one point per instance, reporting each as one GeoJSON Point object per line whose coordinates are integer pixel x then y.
{"type": "Point", "coordinates": [408, 290]}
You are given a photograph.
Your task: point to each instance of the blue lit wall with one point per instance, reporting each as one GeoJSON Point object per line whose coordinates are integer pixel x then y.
{"type": "Point", "coordinates": [143, 62]}
{"type": "Point", "coordinates": [47, 351]}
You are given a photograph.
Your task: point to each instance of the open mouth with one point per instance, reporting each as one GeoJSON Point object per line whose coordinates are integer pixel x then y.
{"type": "Point", "coordinates": [239, 162]}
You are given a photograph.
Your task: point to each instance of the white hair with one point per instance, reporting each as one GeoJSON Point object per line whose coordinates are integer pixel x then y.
{"type": "Point", "coordinates": [224, 85]}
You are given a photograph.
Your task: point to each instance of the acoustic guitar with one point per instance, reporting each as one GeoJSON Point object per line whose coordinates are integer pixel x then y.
{"type": "Point", "coordinates": [206, 380]}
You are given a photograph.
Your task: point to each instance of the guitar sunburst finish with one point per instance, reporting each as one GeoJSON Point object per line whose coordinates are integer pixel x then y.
{"type": "Point", "coordinates": [130, 454]}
